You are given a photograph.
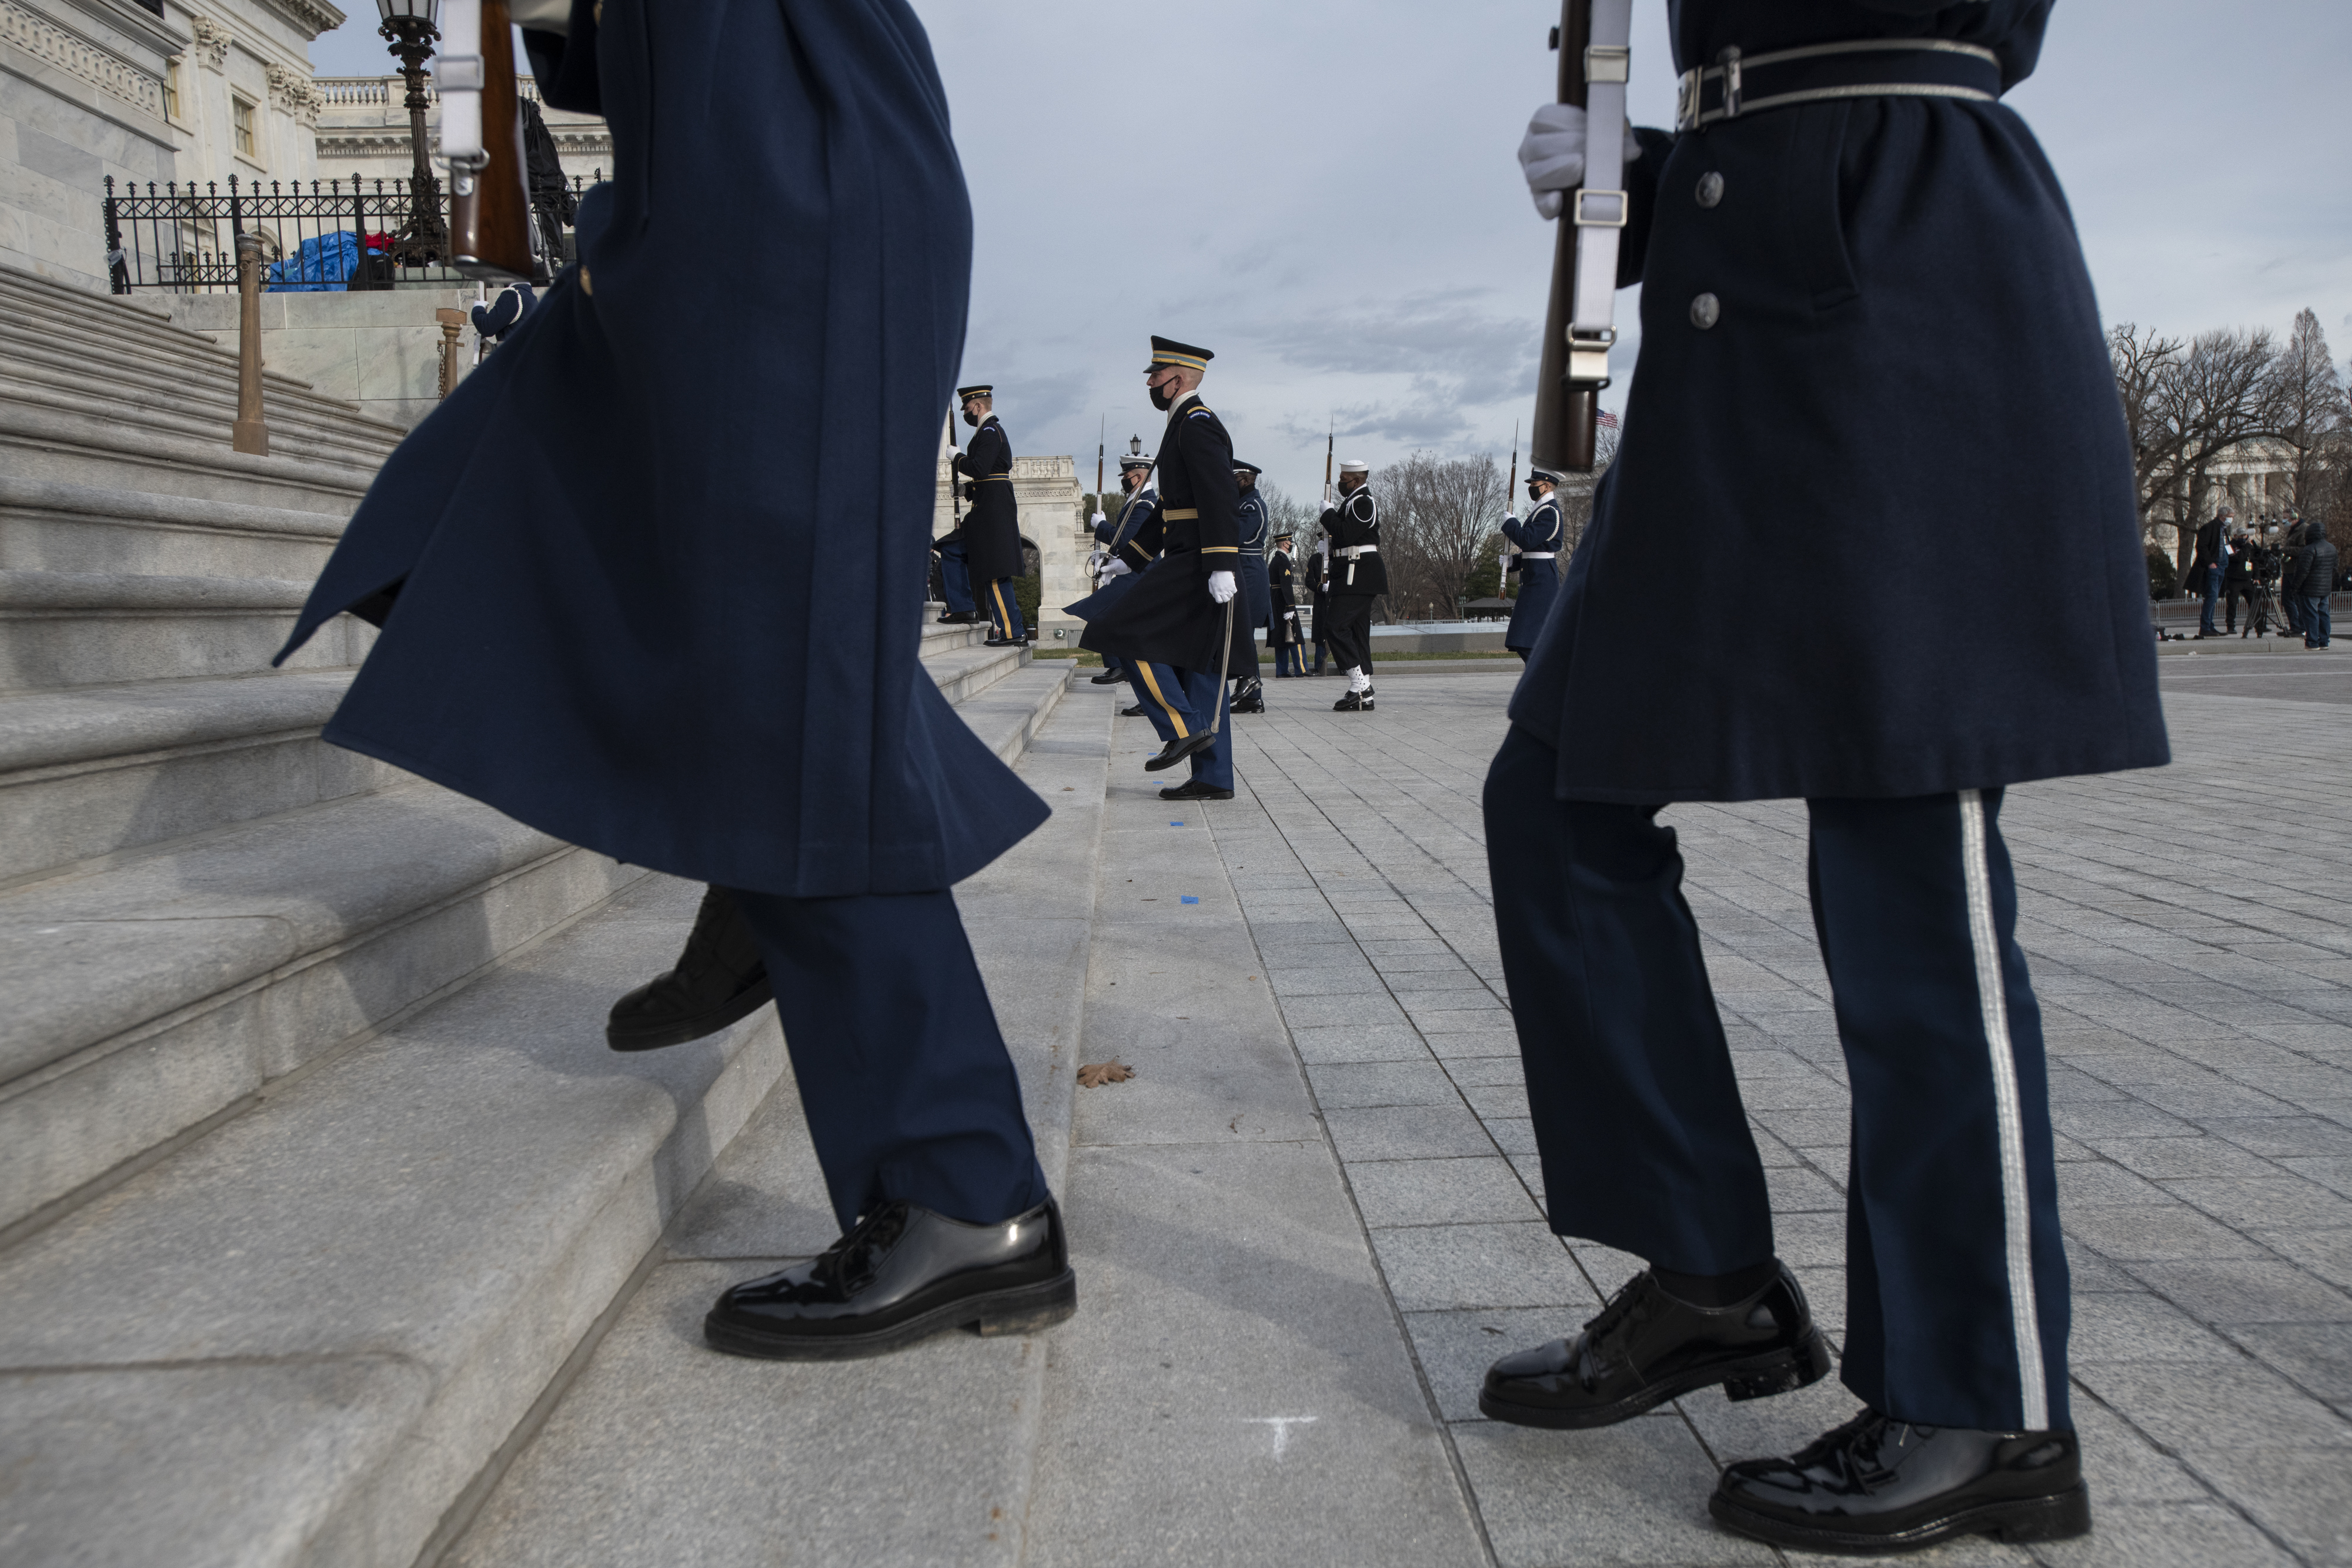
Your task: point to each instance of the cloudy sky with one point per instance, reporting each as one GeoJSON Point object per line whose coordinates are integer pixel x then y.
{"type": "Point", "coordinates": [1325, 195]}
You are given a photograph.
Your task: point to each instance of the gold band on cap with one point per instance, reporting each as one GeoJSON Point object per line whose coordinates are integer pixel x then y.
{"type": "Point", "coordinates": [1191, 361]}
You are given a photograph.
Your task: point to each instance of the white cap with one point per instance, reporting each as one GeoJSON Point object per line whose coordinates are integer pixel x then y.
{"type": "Point", "coordinates": [1350, 465]}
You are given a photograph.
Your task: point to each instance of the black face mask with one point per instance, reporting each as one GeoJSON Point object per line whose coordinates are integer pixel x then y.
{"type": "Point", "coordinates": [1162, 399]}
{"type": "Point", "coordinates": [1534, 495]}
{"type": "Point", "coordinates": [972, 419]}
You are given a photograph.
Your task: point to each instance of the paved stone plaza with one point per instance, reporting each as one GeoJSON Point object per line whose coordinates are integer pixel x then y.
{"type": "Point", "coordinates": [2188, 930]}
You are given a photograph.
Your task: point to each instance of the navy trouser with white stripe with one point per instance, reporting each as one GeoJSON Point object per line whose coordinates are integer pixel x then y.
{"type": "Point", "coordinates": [1956, 1307]}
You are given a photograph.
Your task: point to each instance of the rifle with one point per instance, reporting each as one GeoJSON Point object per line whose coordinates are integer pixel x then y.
{"type": "Point", "coordinates": [1329, 437]}
{"type": "Point", "coordinates": [481, 135]}
{"type": "Point", "coordinates": [1100, 430]}
{"type": "Point", "coordinates": [1511, 488]}
{"type": "Point", "coordinates": [1593, 40]}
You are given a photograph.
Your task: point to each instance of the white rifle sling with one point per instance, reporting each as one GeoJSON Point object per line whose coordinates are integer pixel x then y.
{"type": "Point", "coordinates": [458, 78]}
{"type": "Point", "coordinates": [1599, 207]}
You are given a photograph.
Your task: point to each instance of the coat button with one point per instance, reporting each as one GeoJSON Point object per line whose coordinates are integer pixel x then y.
{"type": "Point", "coordinates": [1705, 311]}
{"type": "Point", "coordinates": [1710, 188]}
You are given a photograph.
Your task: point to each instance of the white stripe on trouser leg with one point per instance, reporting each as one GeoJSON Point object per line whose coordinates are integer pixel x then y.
{"type": "Point", "coordinates": [2017, 1212]}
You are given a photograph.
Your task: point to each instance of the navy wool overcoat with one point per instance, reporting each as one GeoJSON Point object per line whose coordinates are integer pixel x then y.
{"type": "Point", "coordinates": [1872, 449]}
{"type": "Point", "coordinates": [657, 567]}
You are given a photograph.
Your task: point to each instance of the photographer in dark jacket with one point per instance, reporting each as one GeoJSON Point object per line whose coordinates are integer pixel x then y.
{"type": "Point", "coordinates": [2238, 580]}
{"type": "Point", "coordinates": [2205, 570]}
{"type": "Point", "coordinates": [2310, 573]}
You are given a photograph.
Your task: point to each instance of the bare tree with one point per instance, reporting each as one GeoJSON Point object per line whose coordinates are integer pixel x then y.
{"type": "Point", "coordinates": [1434, 514]}
{"type": "Point", "coordinates": [1286, 514]}
{"type": "Point", "coordinates": [2307, 398]}
{"type": "Point", "coordinates": [2188, 408]}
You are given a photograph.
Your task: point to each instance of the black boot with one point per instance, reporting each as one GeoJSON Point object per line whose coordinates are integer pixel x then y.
{"type": "Point", "coordinates": [903, 1274]}
{"type": "Point", "coordinates": [1646, 1347]}
{"type": "Point", "coordinates": [720, 978]}
{"type": "Point", "coordinates": [1881, 1485]}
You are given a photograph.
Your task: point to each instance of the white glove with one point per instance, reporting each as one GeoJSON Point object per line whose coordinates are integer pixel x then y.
{"type": "Point", "coordinates": [1117, 568]}
{"type": "Point", "coordinates": [1551, 155]}
{"type": "Point", "coordinates": [1097, 520]}
{"type": "Point", "coordinates": [1097, 559]}
{"type": "Point", "coordinates": [1221, 586]}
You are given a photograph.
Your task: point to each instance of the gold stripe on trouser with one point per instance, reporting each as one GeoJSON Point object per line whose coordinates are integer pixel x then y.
{"type": "Point", "coordinates": [1143, 668]}
{"type": "Point", "coordinates": [1004, 622]}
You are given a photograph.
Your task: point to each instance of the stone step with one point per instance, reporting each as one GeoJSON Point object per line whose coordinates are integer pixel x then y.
{"type": "Point", "coordinates": [93, 770]}
{"type": "Point", "coordinates": [51, 447]}
{"type": "Point", "coordinates": [164, 398]}
{"type": "Point", "coordinates": [77, 628]}
{"type": "Point", "coordinates": [312, 1335]}
{"type": "Point", "coordinates": [47, 525]}
{"type": "Point", "coordinates": [158, 988]}
{"type": "Point", "coordinates": [925, 1457]}
{"type": "Point", "coordinates": [30, 302]}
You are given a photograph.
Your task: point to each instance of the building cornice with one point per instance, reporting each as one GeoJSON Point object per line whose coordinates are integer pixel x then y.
{"type": "Point", "coordinates": [85, 61]}
{"type": "Point", "coordinates": [309, 17]}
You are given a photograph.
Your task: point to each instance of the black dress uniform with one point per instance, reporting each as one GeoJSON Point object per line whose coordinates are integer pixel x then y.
{"type": "Point", "coordinates": [1870, 360]}
{"type": "Point", "coordinates": [1316, 571]}
{"type": "Point", "coordinates": [1356, 576]}
{"type": "Point", "coordinates": [1282, 610]}
{"type": "Point", "coordinates": [992, 530]}
{"type": "Point", "coordinates": [1248, 695]}
{"type": "Point", "coordinates": [1539, 536]}
{"type": "Point", "coordinates": [650, 580]}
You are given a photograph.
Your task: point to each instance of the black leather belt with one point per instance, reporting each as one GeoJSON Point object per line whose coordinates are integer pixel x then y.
{"type": "Point", "coordinates": [1740, 84]}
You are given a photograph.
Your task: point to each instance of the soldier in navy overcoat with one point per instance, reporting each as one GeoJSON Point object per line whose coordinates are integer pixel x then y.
{"type": "Point", "coordinates": [1870, 363]}
{"type": "Point", "coordinates": [992, 530]}
{"type": "Point", "coordinates": [1124, 545]}
{"type": "Point", "coordinates": [651, 581]}
{"type": "Point", "coordinates": [1282, 602]}
{"type": "Point", "coordinates": [1174, 628]}
{"type": "Point", "coordinates": [1538, 535]}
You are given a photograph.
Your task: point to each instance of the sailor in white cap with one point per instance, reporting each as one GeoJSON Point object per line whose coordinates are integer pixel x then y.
{"type": "Point", "coordinates": [1356, 578]}
{"type": "Point", "coordinates": [1538, 537]}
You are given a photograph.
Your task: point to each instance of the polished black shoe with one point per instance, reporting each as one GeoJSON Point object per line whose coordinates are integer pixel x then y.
{"type": "Point", "coordinates": [720, 978]}
{"type": "Point", "coordinates": [1178, 749]}
{"type": "Point", "coordinates": [1109, 677]}
{"type": "Point", "coordinates": [1193, 789]}
{"type": "Point", "coordinates": [1249, 696]}
{"type": "Point", "coordinates": [1135, 712]}
{"type": "Point", "coordinates": [1647, 1348]}
{"type": "Point", "coordinates": [957, 618]}
{"type": "Point", "coordinates": [903, 1274]}
{"type": "Point", "coordinates": [1876, 1484]}
{"type": "Point", "coordinates": [1002, 642]}
{"type": "Point", "coordinates": [1355, 702]}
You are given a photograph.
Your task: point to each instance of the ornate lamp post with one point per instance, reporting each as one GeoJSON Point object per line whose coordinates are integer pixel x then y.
{"type": "Point", "coordinates": [413, 28]}
{"type": "Point", "coordinates": [1135, 446]}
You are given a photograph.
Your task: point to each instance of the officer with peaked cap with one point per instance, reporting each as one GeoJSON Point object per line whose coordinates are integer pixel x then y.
{"type": "Point", "coordinates": [993, 529]}
{"type": "Point", "coordinates": [609, 616]}
{"type": "Point", "coordinates": [1539, 536]}
{"type": "Point", "coordinates": [1282, 612]}
{"type": "Point", "coordinates": [1176, 629]}
{"type": "Point", "coordinates": [1355, 576]}
{"type": "Point", "coordinates": [1869, 356]}
{"type": "Point", "coordinates": [1249, 693]}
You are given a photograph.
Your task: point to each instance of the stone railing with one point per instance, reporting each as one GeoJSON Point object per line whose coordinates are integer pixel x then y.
{"type": "Point", "coordinates": [390, 90]}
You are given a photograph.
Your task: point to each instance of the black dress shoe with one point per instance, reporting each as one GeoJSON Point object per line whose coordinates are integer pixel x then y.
{"type": "Point", "coordinates": [1355, 702]}
{"type": "Point", "coordinates": [720, 978]}
{"type": "Point", "coordinates": [1002, 642]}
{"type": "Point", "coordinates": [1647, 1348]}
{"type": "Point", "coordinates": [1110, 677]}
{"type": "Point", "coordinates": [1178, 749]}
{"type": "Point", "coordinates": [1135, 712]}
{"type": "Point", "coordinates": [1876, 1484]}
{"type": "Point", "coordinates": [957, 618]}
{"type": "Point", "coordinates": [901, 1274]}
{"type": "Point", "coordinates": [1193, 789]}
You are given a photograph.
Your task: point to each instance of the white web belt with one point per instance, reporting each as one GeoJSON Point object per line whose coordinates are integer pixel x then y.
{"type": "Point", "coordinates": [1600, 208]}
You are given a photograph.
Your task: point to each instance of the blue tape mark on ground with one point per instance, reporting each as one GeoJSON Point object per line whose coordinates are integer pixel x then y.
{"type": "Point", "coordinates": [1190, 899]}
{"type": "Point", "coordinates": [1175, 824]}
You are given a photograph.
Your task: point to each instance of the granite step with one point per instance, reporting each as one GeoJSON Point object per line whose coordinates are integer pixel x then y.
{"type": "Point", "coordinates": [154, 989]}
{"type": "Point", "coordinates": [62, 447]}
{"type": "Point", "coordinates": [50, 526]}
{"type": "Point", "coordinates": [77, 629]}
{"type": "Point", "coordinates": [316, 1334]}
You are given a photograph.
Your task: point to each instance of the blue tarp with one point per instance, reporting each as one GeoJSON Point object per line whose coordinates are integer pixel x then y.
{"type": "Point", "coordinates": [322, 266]}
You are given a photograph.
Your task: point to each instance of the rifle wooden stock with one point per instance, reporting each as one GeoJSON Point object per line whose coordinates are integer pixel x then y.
{"type": "Point", "coordinates": [490, 207]}
{"type": "Point", "coordinates": [1567, 413]}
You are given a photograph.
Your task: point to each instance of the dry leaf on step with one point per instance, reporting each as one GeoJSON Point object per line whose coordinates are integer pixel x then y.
{"type": "Point", "coordinates": [1094, 1074]}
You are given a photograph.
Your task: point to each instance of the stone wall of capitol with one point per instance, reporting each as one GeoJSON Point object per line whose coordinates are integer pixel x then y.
{"type": "Point", "coordinates": [1047, 492]}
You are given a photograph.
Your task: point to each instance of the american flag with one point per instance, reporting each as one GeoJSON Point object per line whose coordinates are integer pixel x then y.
{"type": "Point", "coordinates": [1608, 420]}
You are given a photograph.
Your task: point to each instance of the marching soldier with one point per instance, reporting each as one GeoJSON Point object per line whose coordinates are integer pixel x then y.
{"type": "Point", "coordinates": [1125, 545]}
{"type": "Point", "coordinates": [1538, 538]}
{"type": "Point", "coordinates": [1317, 570]}
{"type": "Point", "coordinates": [1176, 629]}
{"type": "Point", "coordinates": [602, 657]}
{"type": "Point", "coordinates": [993, 529]}
{"type": "Point", "coordinates": [1282, 598]}
{"type": "Point", "coordinates": [1249, 692]}
{"type": "Point", "coordinates": [1356, 577]}
{"type": "Point", "coordinates": [1852, 250]}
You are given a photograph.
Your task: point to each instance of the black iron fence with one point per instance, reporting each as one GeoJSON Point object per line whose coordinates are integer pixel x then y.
{"type": "Point", "coordinates": [354, 234]}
